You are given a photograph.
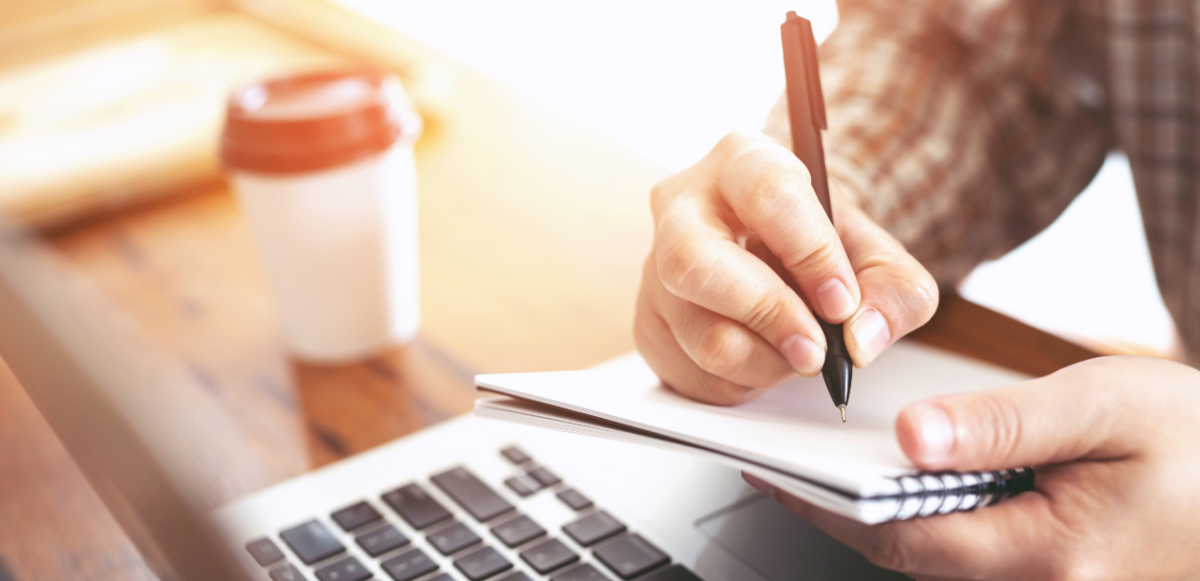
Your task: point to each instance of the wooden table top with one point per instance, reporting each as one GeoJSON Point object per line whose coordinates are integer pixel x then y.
{"type": "Point", "coordinates": [533, 230]}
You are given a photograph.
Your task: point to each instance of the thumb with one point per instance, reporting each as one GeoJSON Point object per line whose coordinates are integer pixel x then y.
{"type": "Point", "coordinates": [898, 294]}
{"type": "Point", "coordinates": [1083, 411]}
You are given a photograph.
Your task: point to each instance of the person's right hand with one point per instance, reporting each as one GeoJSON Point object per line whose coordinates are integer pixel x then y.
{"type": "Point", "coordinates": [744, 255]}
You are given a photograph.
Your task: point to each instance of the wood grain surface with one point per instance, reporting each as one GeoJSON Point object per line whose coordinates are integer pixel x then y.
{"type": "Point", "coordinates": [132, 118]}
{"type": "Point", "coordinates": [533, 230]}
{"type": "Point", "coordinates": [31, 31]}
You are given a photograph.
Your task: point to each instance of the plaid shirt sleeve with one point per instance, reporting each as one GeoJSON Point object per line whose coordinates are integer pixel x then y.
{"type": "Point", "coordinates": [957, 124]}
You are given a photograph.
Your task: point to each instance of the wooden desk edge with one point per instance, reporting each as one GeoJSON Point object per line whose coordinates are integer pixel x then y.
{"type": "Point", "coordinates": [966, 328]}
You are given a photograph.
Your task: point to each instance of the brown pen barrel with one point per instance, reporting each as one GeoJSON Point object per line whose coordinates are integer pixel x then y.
{"type": "Point", "coordinates": [806, 106]}
{"type": "Point", "coordinates": [806, 114]}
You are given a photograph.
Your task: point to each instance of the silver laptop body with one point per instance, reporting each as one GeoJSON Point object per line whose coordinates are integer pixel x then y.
{"type": "Point", "coordinates": [466, 500]}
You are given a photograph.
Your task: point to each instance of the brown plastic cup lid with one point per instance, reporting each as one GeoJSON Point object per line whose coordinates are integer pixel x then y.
{"type": "Point", "coordinates": [315, 121]}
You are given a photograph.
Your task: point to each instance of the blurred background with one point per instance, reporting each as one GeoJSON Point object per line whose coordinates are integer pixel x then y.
{"type": "Point", "coordinates": [545, 125]}
{"type": "Point", "coordinates": [667, 79]}
{"type": "Point", "coordinates": [103, 102]}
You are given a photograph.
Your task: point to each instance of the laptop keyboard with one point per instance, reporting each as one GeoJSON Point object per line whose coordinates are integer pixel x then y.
{"type": "Point", "coordinates": [543, 555]}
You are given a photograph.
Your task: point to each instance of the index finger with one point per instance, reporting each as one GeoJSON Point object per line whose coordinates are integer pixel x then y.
{"type": "Point", "coordinates": [770, 191]}
{"type": "Point", "coordinates": [699, 260]}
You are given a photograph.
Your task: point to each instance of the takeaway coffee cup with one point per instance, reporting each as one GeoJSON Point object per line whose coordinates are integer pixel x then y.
{"type": "Point", "coordinates": [323, 167]}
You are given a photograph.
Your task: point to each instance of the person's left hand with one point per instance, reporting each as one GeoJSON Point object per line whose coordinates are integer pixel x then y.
{"type": "Point", "coordinates": [1117, 444]}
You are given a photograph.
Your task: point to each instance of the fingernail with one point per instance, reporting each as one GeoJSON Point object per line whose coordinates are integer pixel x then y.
{"type": "Point", "coordinates": [935, 431]}
{"type": "Point", "coordinates": [871, 333]}
{"type": "Point", "coordinates": [803, 354]}
{"type": "Point", "coordinates": [758, 484]}
{"type": "Point", "coordinates": [835, 299]}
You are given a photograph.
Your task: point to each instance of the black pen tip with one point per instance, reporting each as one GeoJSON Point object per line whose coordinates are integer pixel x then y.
{"type": "Point", "coordinates": [837, 373]}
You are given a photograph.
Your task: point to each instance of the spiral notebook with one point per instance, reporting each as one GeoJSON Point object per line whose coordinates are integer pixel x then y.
{"type": "Point", "coordinates": [791, 437]}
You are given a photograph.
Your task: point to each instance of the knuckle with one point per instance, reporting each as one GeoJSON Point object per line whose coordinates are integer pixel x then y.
{"type": "Point", "coordinates": [771, 197]}
{"type": "Point", "coordinates": [719, 351]}
{"type": "Point", "coordinates": [662, 197]}
{"type": "Point", "coordinates": [765, 313]}
{"type": "Point", "coordinates": [817, 257]}
{"type": "Point", "coordinates": [1002, 427]}
{"type": "Point", "coordinates": [921, 298]}
{"type": "Point", "coordinates": [1095, 369]}
{"type": "Point", "coordinates": [733, 141]}
{"type": "Point", "coordinates": [685, 268]}
{"type": "Point", "coordinates": [658, 193]}
{"type": "Point", "coordinates": [765, 158]}
{"type": "Point", "coordinates": [759, 156]}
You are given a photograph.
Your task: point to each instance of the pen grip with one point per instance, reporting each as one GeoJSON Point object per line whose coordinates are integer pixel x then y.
{"type": "Point", "coordinates": [835, 338]}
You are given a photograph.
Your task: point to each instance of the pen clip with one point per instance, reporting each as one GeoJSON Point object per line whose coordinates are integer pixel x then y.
{"type": "Point", "coordinates": [812, 69]}
{"type": "Point", "coordinates": [807, 51]}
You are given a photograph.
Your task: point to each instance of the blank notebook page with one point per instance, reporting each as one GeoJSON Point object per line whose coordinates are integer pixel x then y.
{"type": "Point", "coordinates": [793, 427]}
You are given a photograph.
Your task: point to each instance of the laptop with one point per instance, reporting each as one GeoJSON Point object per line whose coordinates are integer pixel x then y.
{"type": "Point", "coordinates": [469, 499]}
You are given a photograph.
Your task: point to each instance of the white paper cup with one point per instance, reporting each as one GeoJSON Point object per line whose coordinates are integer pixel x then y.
{"type": "Point", "coordinates": [323, 167]}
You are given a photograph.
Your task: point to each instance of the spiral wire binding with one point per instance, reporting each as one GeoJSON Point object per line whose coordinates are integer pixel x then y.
{"type": "Point", "coordinates": [930, 493]}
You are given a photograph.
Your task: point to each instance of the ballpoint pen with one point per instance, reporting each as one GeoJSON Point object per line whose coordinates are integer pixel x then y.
{"type": "Point", "coordinates": [806, 114]}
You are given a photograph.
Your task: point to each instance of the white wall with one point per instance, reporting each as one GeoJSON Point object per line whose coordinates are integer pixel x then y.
{"type": "Point", "coordinates": [668, 78]}
{"type": "Point", "coordinates": [1088, 275]}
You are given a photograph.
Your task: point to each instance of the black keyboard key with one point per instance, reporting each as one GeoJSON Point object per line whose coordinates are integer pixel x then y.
{"type": "Point", "coordinates": [482, 564]}
{"type": "Point", "coordinates": [549, 556]}
{"type": "Point", "coordinates": [348, 569]}
{"type": "Point", "coordinates": [593, 528]}
{"type": "Point", "coordinates": [264, 550]}
{"type": "Point", "coordinates": [546, 477]}
{"type": "Point", "coordinates": [442, 577]}
{"type": "Point", "coordinates": [381, 540]}
{"type": "Point", "coordinates": [574, 499]}
{"type": "Point", "coordinates": [416, 506]}
{"type": "Point", "coordinates": [583, 572]}
{"type": "Point", "coordinates": [311, 542]}
{"type": "Point", "coordinates": [525, 485]}
{"type": "Point", "coordinates": [409, 566]}
{"type": "Point", "coordinates": [630, 556]}
{"type": "Point", "coordinates": [472, 494]}
{"type": "Point", "coordinates": [515, 455]}
{"type": "Point", "coordinates": [356, 515]}
{"type": "Point", "coordinates": [453, 539]}
{"type": "Point", "coordinates": [518, 576]}
{"type": "Point", "coordinates": [517, 531]}
{"type": "Point", "coordinates": [287, 572]}
{"type": "Point", "coordinates": [672, 573]}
